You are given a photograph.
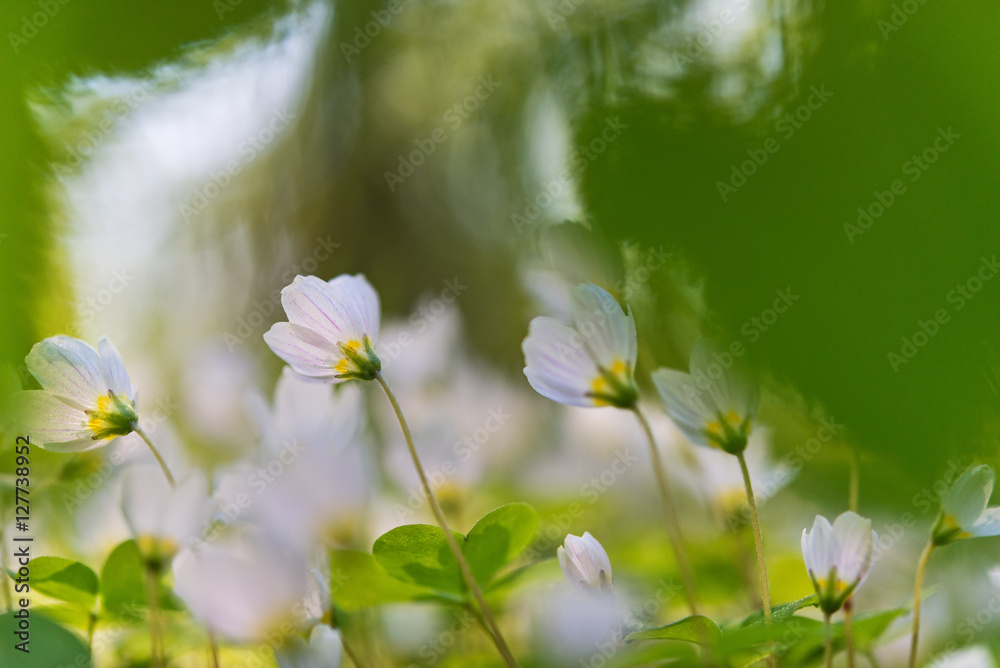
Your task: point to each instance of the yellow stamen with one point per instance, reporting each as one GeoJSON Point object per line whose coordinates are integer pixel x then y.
{"type": "Point", "coordinates": [732, 417]}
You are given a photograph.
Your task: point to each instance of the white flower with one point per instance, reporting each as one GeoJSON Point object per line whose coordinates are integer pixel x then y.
{"type": "Point", "coordinates": [589, 364]}
{"type": "Point", "coordinates": [714, 405]}
{"type": "Point", "coordinates": [323, 651]}
{"type": "Point", "coordinates": [242, 586]}
{"type": "Point", "coordinates": [839, 557]}
{"type": "Point", "coordinates": [963, 508]}
{"type": "Point", "coordinates": [332, 328]}
{"type": "Point", "coordinates": [86, 399]}
{"type": "Point", "coordinates": [585, 563]}
{"type": "Point", "coordinates": [162, 518]}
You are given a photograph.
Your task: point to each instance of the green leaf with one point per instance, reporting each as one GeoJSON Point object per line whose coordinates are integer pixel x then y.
{"type": "Point", "coordinates": [419, 554]}
{"type": "Point", "coordinates": [358, 582]}
{"type": "Point", "coordinates": [498, 538]}
{"type": "Point", "coordinates": [123, 586]}
{"type": "Point", "coordinates": [50, 644]}
{"type": "Point", "coordinates": [782, 611]}
{"type": "Point", "coordinates": [867, 629]}
{"type": "Point", "coordinates": [696, 628]}
{"type": "Point", "coordinates": [870, 626]}
{"type": "Point", "coordinates": [65, 580]}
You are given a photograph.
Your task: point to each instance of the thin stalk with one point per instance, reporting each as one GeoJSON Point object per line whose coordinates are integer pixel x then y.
{"type": "Point", "coordinates": [213, 648]}
{"type": "Point", "coordinates": [670, 516]}
{"type": "Point", "coordinates": [91, 627]}
{"type": "Point", "coordinates": [828, 642]}
{"type": "Point", "coordinates": [463, 565]}
{"type": "Point", "coordinates": [348, 650]}
{"type": "Point", "coordinates": [925, 556]}
{"type": "Point", "coordinates": [765, 590]}
{"type": "Point", "coordinates": [854, 486]}
{"type": "Point", "coordinates": [758, 540]}
{"type": "Point", "coordinates": [849, 633]}
{"type": "Point", "coordinates": [153, 603]}
{"type": "Point", "coordinates": [156, 453]}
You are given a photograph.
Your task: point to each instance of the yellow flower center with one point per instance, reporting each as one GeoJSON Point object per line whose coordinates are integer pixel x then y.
{"type": "Point", "coordinates": [345, 365]}
{"type": "Point", "coordinates": [732, 418]}
{"type": "Point", "coordinates": [113, 416]}
{"type": "Point", "coordinates": [601, 386]}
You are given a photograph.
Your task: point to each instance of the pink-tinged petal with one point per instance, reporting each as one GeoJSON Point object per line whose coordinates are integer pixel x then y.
{"type": "Point", "coordinates": [556, 364]}
{"type": "Point", "coordinates": [69, 368]}
{"type": "Point", "coordinates": [361, 301]}
{"type": "Point", "coordinates": [113, 370]}
{"type": "Point", "coordinates": [690, 407]}
{"type": "Point", "coordinates": [343, 310]}
{"type": "Point", "coordinates": [308, 353]}
{"type": "Point", "coordinates": [48, 422]}
{"type": "Point", "coordinates": [607, 332]}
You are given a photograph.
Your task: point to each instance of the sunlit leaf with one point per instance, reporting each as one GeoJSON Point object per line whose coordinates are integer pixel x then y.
{"type": "Point", "coordinates": [696, 628]}
{"type": "Point", "coordinates": [357, 582]}
{"type": "Point", "coordinates": [65, 580]}
{"type": "Point", "coordinates": [49, 645]}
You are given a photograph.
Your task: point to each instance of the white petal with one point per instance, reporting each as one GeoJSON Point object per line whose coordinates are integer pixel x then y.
{"type": "Point", "coordinates": [822, 556]}
{"type": "Point", "coordinates": [69, 368]}
{"type": "Point", "coordinates": [113, 370]}
{"type": "Point", "coordinates": [852, 535]}
{"type": "Point", "coordinates": [967, 498]}
{"type": "Point", "coordinates": [326, 646]}
{"type": "Point", "coordinates": [688, 406]}
{"type": "Point", "coordinates": [361, 300]}
{"type": "Point", "coordinates": [188, 507]}
{"type": "Point", "coordinates": [994, 575]}
{"type": "Point", "coordinates": [50, 423]}
{"type": "Point", "coordinates": [569, 567]}
{"type": "Point", "coordinates": [607, 332]}
{"type": "Point", "coordinates": [988, 524]}
{"type": "Point", "coordinates": [730, 387]}
{"type": "Point", "coordinates": [556, 364]}
{"type": "Point", "coordinates": [304, 350]}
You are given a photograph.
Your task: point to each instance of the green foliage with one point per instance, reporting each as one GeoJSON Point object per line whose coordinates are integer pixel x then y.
{"type": "Point", "coordinates": [696, 628]}
{"type": "Point", "coordinates": [50, 645]}
{"type": "Point", "coordinates": [419, 555]}
{"type": "Point", "coordinates": [360, 583]}
{"type": "Point", "coordinates": [65, 580]}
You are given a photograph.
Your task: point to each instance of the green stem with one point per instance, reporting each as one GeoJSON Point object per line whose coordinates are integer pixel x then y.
{"type": "Point", "coordinates": [855, 480]}
{"type": "Point", "coordinates": [828, 642]}
{"type": "Point", "coordinates": [348, 650]}
{"type": "Point", "coordinates": [156, 453]}
{"type": "Point", "coordinates": [463, 565]}
{"type": "Point", "coordinates": [849, 632]}
{"type": "Point", "coordinates": [925, 556]}
{"type": "Point", "coordinates": [153, 604]}
{"type": "Point", "coordinates": [670, 515]}
{"type": "Point", "coordinates": [213, 648]}
{"type": "Point", "coordinates": [765, 590]}
{"type": "Point", "coordinates": [91, 627]}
